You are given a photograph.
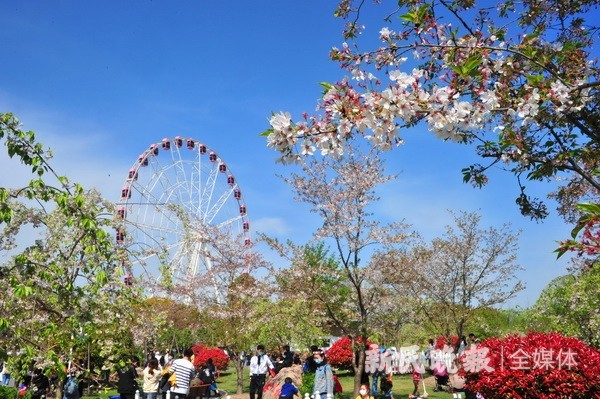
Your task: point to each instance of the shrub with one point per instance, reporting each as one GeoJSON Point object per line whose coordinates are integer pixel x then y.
{"type": "Point", "coordinates": [203, 353]}
{"type": "Point", "coordinates": [442, 340]}
{"type": "Point", "coordinates": [341, 353]}
{"type": "Point", "coordinates": [308, 381]}
{"type": "Point", "coordinates": [538, 365]}
{"type": "Point", "coordinates": [8, 393]}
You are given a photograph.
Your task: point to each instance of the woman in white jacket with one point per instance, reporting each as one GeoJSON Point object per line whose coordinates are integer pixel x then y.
{"type": "Point", "coordinates": [151, 376]}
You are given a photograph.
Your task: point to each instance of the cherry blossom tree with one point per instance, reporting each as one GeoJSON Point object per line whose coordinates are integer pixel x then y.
{"type": "Point", "coordinates": [62, 285]}
{"type": "Point", "coordinates": [163, 323]}
{"type": "Point", "coordinates": [340, 190]}
{"type": "Point", "coordinates": [240, 318]}
{"type": "Point", "coordinates": [517, 81]}
{"type": "Point", "coordinates": [239, 276]}
{"type": "Point", "coordinates": [469, 268]}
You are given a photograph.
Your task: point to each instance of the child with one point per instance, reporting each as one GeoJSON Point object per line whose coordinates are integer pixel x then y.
{"type": "Point", "coordinates": [288, 390]}
{"type": "Point", "coordinates": [416, 377]}
{"type": "Point", "coordinates": [364, 392]}
{"type": "Point", "coordinates": [386, 386]}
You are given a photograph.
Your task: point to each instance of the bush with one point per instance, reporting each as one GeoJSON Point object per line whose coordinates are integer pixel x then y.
{"type": "Point", "coordinates": [8, 393]}
{"type": "Point", "coordinates": [203, 353]}
{"type": "Point", "coordinates": [544, 374]}
{"type": "Point", "coordinates": [341, 353]}
{"type": "Point", "coordinates": [442, 340]}
{"type": "Point", "coordinates": [308, 381]}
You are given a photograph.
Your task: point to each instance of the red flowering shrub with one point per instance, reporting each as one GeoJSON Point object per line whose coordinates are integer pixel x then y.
{"type": "Point", "coordinates": [340, 354]}
{"type": "Point", "coordinates": [548, 366]}
{"type": "Point", "coordinates": [203, 353]}
{"type": "Point", "coordinates": [441, 341]}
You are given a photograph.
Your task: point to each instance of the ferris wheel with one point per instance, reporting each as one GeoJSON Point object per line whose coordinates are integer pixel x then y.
{"type": "Point", "coordinates": [177, 194]}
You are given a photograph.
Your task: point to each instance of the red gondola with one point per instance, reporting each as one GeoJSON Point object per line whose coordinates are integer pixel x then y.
{"type": "Point", "coordinates": [237, 194]}
{"type": "Point", "coordinates": [153, 149]}
{"type": "Point", "coordinates": [242, 210]}
{"type": "Point", "coordinates": [231, 181]}
{"type": "Point", "coordinates": [212, 157]}
{"type": "Point", "coordinates": [202, 149]}
{"type": "Point", "coordinates": [120, 236]}
{"type": "Point", "coordinates": [178, 142]}
{"type": "Point", "coordinates": [166, 144]}
{"type": "Point", "coordinates": [222, 167]}
{"type": "Point", "coordinates": [190, 144]}
{"type": "Point", "coordinates": [247, 242]}
{"type": "Point", "coordinates": [246, 226]}
{"type": "Point", "coordinates": [121, 213]}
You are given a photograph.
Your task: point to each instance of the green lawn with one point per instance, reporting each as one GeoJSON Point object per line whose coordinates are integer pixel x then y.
{"type": "Point", "coordinates": [403, 386]}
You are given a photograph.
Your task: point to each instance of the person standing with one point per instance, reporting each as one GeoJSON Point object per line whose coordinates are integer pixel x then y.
{"type": "Point", "coordinates": [417, 376]}
{"type": "Point", "coordinates": [71, 388]}
{"type": "Point", "coordinates": [462, 346]}
{"type": "Point", "coordinates": [5, 374]}
{"type": "Point", "coordinates": [309, 363]}
{"type": "Point", "coordinates": [127, 384]}
{"type": "Point", "coordinates": [260, 364]}
{"type": "Point", "coordinates": [151, 376]}
{"type": "Point", "coordinates": [474, 340]}
{"type": "Point", "coordinates": [375, 379]}
{"type": "Point", "coordinates": [184, 371]}
{"type": "Point", "coordinates": [428, 352]}
{"type": "Point", "coordinates": [386, 385]}
{"type": "Point", "coordinates": [39, 384]}
{"type": "Point", "coordinates": [324, 383]}
{"type": "Point", "coordinates": [288, 357]}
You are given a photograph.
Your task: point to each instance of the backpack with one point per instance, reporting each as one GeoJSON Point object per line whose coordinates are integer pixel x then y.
{"type": "Point", "coordinates": [206, 376]}
{"type": "Point", "coordinates": [72, 388]}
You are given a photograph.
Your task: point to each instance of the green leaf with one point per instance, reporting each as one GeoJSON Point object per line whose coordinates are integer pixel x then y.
{"type": "Point", "coordinates": [409, 17]}
{"type": "Point", "coordinates": [326, 85]}
{"type": "Point", "coordinates": [590, 208]}
{"type": "Point", "coordinates": [577, 229]}
{"type": "Point", "coordinates": [416, 16]}
{"type": "Point", "coordinates": [4, 325]}
{"type": "Point", "coordinates": [267, 133]}
{"type": "Point", "coordinates": [22, 291]}
{"type": "Point", "coordinates": [3, 194]}
{"type": "Point", "coordinates": [101, 277]}
{"type": "Point", "coordinates": [471, 64]}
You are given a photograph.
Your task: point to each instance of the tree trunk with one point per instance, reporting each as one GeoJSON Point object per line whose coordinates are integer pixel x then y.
{"type": "Point", "coordinates": [359, 367]}
{"type": "Point", "coordinates": [239, 370]}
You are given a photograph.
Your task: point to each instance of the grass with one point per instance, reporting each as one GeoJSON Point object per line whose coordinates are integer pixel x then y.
{"type": "Point", "coordinates": [403, 386]}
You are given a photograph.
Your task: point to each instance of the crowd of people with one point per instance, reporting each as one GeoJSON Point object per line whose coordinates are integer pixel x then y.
{"type": "Point", "coordinates": [164, 377]}
{"type": "Point", "coordinates": [325, 385]}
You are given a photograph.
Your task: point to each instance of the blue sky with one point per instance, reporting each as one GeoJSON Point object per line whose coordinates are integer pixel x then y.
{"type": "Point", "coordinates": [100, 81]}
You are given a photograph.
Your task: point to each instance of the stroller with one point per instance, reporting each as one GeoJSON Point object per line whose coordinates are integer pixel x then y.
{"type": "Point", "coordinates": [442, 378]}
